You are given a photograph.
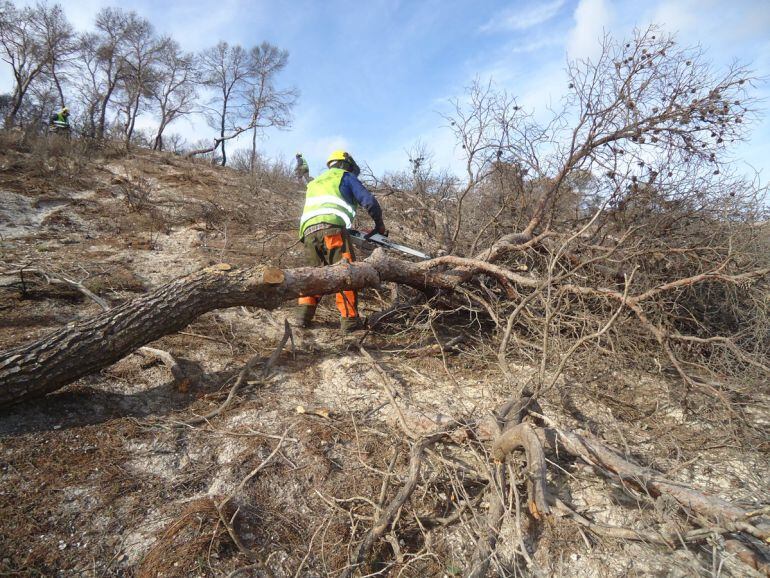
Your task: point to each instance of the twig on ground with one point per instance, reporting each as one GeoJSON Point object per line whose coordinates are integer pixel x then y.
{"type": "Point", "coordinates": [244, 375]}
{"type": "Point", "coordinates": [389, 513]}
{"type": "Point", "coordinates": [388, 391]}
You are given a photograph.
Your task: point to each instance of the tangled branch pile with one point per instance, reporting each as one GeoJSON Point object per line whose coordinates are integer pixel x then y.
{"type": "Point", "coordinates": [638, 239]}
{"type": "Point", "coordinates": [637, 245]}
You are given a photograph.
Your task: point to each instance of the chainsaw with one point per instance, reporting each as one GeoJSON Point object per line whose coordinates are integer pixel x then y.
{"type": "Point", "coordinates": [365, 240]}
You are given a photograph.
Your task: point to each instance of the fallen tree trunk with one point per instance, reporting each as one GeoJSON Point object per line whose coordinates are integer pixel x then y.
{"type": "Point", "coordinates": [80, 348]}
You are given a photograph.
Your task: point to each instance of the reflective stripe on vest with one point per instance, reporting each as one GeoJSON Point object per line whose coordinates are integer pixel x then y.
{"type": "Point", "coordinates": [325, 204]}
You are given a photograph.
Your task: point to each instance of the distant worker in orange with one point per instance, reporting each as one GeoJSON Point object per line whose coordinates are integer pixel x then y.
{"type": "Point", "coordinates": [330, 207]}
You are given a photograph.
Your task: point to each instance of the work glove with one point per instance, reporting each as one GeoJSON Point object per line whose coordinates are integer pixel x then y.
{"type": "Point", "coordinates": [378, 229]}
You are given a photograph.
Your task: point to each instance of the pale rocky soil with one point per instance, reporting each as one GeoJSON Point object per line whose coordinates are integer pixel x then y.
{"type": "Point", "coordinates": [94, 476]}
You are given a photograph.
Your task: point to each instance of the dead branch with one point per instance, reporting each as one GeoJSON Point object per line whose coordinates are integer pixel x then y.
{"type": "Point", "coordinates": [524, 437]}
{"type": "Point", "coordinates": [389, 513]}
{"type": "Point", "coordinates": [243, 376]}
{"type": "Point", "coordinates": [46, 364]}
{"type": "Point", "coordinates": [470, 266]}
{"type": "Point", "coordinates": [594, 452]}
{"type": "Point", "coordinates": [219, 140]}
{"type": "Point", "coordinates": [180, 377]}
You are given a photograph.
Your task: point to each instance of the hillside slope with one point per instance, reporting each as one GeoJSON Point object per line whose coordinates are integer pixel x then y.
{"type": "Point", "coordinates": [117, 475]}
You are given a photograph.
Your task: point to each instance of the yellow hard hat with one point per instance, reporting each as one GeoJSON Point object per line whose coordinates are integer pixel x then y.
{"type": "Point", "coordinates": [337, 156]}
{"type": "Point", "coordinates": [65, 109]}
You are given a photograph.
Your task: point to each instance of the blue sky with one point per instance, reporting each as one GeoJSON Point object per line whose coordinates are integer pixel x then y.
{"type": "Point", "coordinates": [375, 76]}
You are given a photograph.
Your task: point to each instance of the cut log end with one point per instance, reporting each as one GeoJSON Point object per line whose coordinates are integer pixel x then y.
{"type": "Point", "coordinates": [273, 276]}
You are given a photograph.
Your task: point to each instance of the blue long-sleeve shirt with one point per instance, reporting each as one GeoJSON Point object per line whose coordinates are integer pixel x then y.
{"type": "Point", "coordinates": [354, 192]}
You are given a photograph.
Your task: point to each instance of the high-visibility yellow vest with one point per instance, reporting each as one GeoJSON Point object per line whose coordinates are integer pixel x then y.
{"type": "Point", "coordinates": [59, 120]}
{"type": "Point", "coordinates": [325, 204]}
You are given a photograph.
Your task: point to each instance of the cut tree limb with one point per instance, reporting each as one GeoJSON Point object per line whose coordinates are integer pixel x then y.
{"type": "Point", "coordinates": [82, 347]}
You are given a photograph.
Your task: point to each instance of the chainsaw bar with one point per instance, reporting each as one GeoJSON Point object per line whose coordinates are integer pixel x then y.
{"type": "Point", "coordinates": [382, 241]}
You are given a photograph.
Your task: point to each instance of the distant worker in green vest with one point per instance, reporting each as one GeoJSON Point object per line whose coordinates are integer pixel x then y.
{"type": "Point", "coordinates": [60, 120]}
{"type": "Point", "coordinates": [302, 171]}
{"type": "Point", "coordinates": [330, 207]}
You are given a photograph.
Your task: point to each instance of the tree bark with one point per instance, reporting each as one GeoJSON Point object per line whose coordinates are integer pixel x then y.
{"type": "Point", "coordinates": [82, 347]}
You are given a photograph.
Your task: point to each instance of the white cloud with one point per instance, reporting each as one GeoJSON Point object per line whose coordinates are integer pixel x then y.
{"type": "Point", "coordinates": [535, 45]}
{"type": "Point", "coordinates": [592, 18]}
{"type": "Point", "coordinates": [714, 21]}
{"type": "Point", "coordinates": [522, 18]}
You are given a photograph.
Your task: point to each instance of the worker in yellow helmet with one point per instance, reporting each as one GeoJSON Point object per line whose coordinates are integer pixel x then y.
{"type": "Point", "coordinates": [60, 120]}
{"type": "Point", "coordinates": [330, 207]}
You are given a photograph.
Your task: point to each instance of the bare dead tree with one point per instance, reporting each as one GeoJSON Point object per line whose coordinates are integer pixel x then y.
{"type": "Point", "coordinates": [33, 41]}
{"type": "Point", "coordinates": [141, 49]}
{"type": "Point", "coordinates": [266, 104]}
{"type": "Point", "coordinates": [112, 26]}
{"type": "Point", "coordinates": [23, 51]}
{"type": "Point", "coordinates": [174, 89]}
{"type": "Point", "coordinates": [631, 174]}
{"type": "Point", "coordinates": [227, 71]}
{"type": "Point", "coordinates": [59, 43]}
{"type": "Point", "coordinates": [87, 82]}
{"type": "Point", "coordinates": [246, 95]}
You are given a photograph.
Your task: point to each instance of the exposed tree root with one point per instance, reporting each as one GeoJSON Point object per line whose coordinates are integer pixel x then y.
{"type": "Point", "coordinates": [523, 436]}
